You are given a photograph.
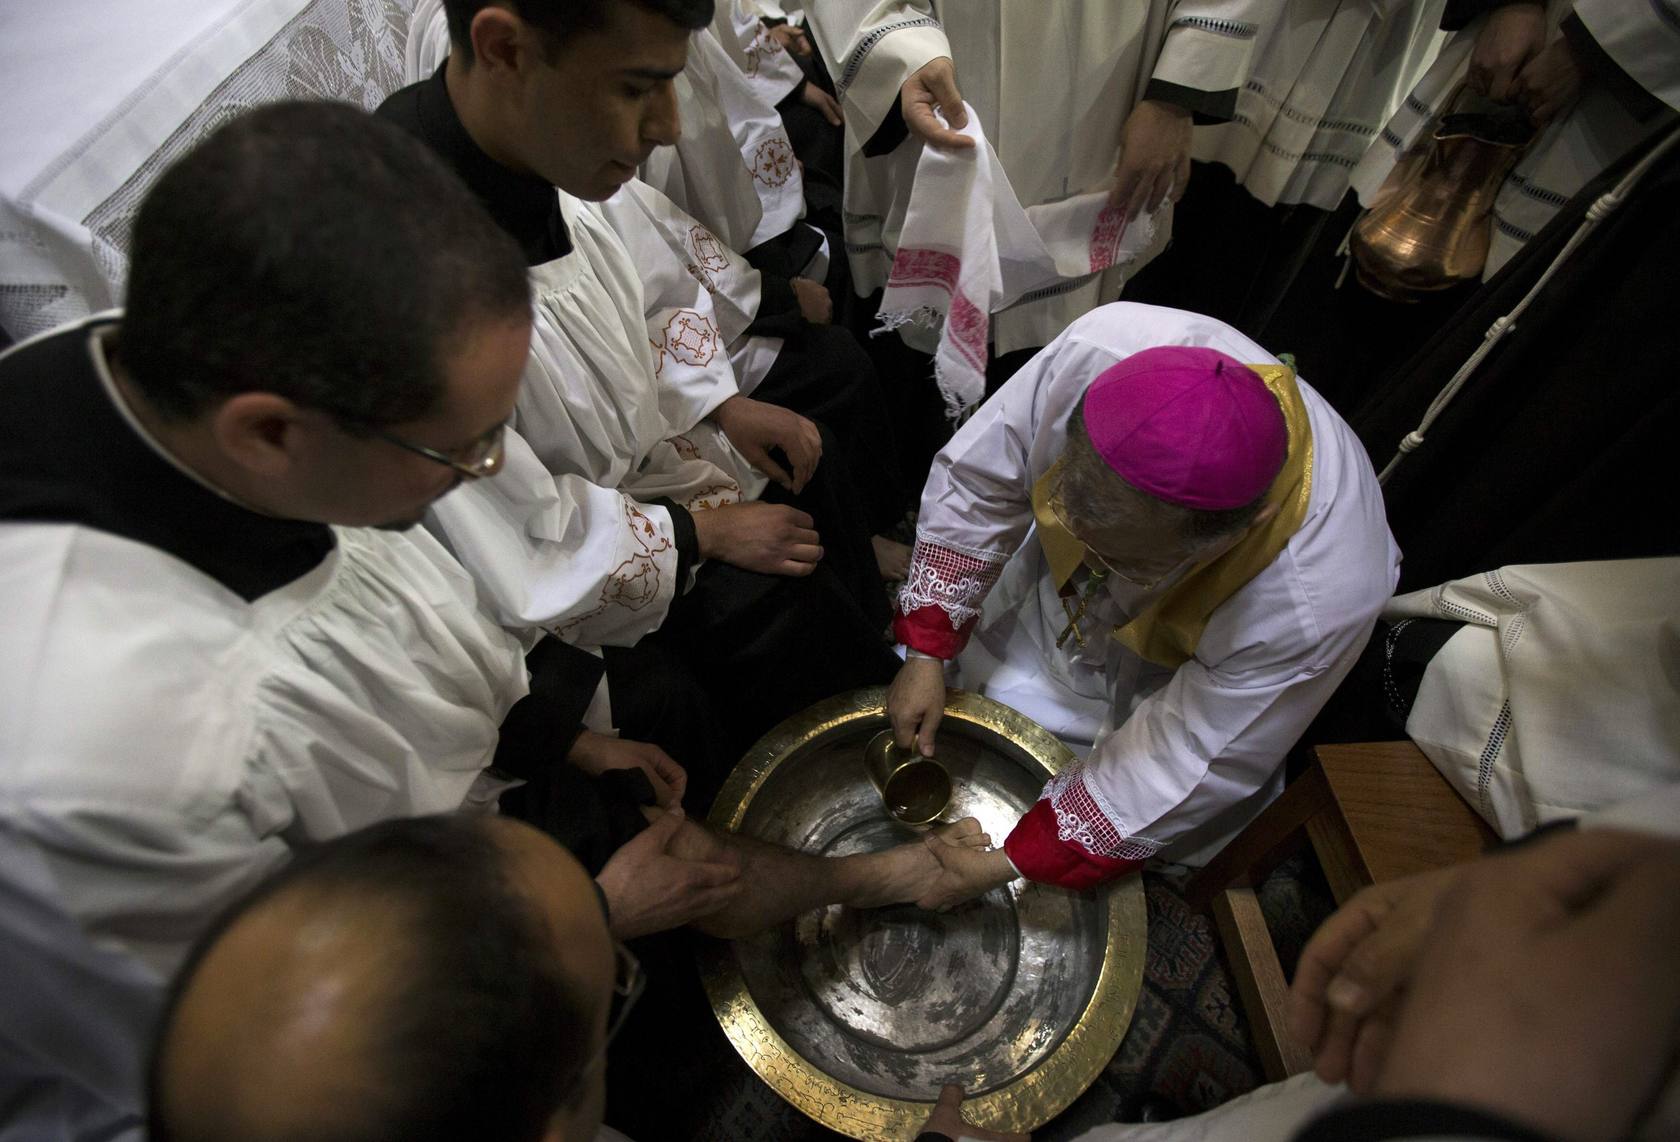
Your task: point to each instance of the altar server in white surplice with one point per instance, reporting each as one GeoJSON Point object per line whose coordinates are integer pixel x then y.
{"type": "Point", "coordinates": [624, 510]}
{"type": "Point", "coordinates": [228, 637]}
{"type": "Point", "coordinates": [780, 349]}
{"type": "Point", "coordinates": [1059, 88]}
{"type": "Point", "coordinates": [1159, 544]}
{"type": "Point", "coordinates": [224, 642]}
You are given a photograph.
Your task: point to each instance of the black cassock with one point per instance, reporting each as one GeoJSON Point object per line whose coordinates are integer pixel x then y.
{"type": "Point", "coordinates": [1563, 444]}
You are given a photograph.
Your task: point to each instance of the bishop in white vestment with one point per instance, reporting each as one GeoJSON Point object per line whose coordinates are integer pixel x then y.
{"type": "Point", "coordinates": [1180, 671]}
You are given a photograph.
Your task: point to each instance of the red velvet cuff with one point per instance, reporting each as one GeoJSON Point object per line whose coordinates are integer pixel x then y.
{"type": "Point", "coordinates": [1041, 855]}
{"type": "Point", "coordinates": [928, 629]}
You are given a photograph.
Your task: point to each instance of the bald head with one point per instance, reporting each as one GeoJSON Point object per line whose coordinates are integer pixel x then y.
{"type": "Point", "coordinates": [431, 978]}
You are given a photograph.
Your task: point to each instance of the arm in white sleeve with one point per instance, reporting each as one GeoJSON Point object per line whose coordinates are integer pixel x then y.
{"type": "Point", "coordinates": [872, 47]}
{"type": "Point", "coordinates": [1207, 53]}
{"type": "Point", "coordinates": [977, 503]}
{"type": "Point", "coordinates": [588, 563]}
{"type": "Point", "coordinates": [96, 910]}
{"type": "Point", "coordinates": [739, 27]}
{"type": "Point", "coordinates": [1642, 41]}
{"type": "Point", "coordinates": [1212, 736]}
{"type": "Point", "coordinates": [697, 297]}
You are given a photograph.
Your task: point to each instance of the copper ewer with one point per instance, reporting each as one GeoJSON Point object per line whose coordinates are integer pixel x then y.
{"type": "Point", "coordinates": [1431, 230]}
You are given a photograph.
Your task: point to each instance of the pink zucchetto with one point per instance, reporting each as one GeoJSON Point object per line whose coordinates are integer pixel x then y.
{"type": "Point", "coordinates": [1189, 426]}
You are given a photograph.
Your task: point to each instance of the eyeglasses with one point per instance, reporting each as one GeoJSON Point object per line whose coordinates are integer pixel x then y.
{"type": "Point", "coordinates": [483, 457]}
{"type": "Point", "coordinates": [628, 984]}
{"type": "Point", "coordinates": [1148, 582]}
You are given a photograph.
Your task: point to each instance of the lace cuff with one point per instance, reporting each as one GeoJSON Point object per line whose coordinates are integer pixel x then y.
{"type": "Point", "coordinates": [1037, 854]}
{"type": "Point", "coordinates": [941, 597]}
{"type": "Point", "coordinates": [1085, 818]}
{"type": "Point", "coordinates": [1070, 837]}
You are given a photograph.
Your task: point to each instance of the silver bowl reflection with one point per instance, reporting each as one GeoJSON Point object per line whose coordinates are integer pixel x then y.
{"type": "Point", "coordinates": [858, 1016]}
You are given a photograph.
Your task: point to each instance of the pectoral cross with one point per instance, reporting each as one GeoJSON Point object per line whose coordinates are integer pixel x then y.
{"type": "Point", "coordinates": [1075, 600]}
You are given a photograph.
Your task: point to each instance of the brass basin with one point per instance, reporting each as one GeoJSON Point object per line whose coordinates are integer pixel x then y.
{"type": "Point", "coordinates": [857, 1017]}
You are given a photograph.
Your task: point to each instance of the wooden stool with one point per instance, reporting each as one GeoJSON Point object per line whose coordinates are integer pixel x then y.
{"type": "Point", "coordinates": [1372, 812]}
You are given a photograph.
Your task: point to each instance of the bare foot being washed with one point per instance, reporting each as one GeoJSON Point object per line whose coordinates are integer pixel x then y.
{"type": "Point", "coordinates": [966, 832]}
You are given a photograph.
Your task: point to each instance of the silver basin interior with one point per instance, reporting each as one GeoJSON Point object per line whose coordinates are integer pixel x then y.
{"type": "Point", "coordinates": [898, 1001]}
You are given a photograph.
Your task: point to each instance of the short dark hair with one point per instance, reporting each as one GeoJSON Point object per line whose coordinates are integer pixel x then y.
{"type": "Point", "coordinates": [313, 251]}
{"type": "Point", "coordinates": [486, 1038]}
{"type": "Point", "coordinates": [1089, 481]}
{"type": "Point", "coordinates": [561, 18]}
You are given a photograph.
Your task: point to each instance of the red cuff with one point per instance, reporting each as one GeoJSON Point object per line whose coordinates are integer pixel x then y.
{"type": "Point", "coordinates": [929, 630]}
{"type": "Point", "coordinates": [1039, 854]}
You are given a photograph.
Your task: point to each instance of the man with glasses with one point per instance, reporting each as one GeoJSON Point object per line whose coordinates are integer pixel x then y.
{"type": "Point", "coordinates": [433, 978]}
{"type": "Point", "coordinates": [225, 638]}
{"type": "Point", "coordinates": [1165, 548]}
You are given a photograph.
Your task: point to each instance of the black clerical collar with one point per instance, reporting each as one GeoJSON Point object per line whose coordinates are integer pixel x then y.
{"type": "Point", "coordinates": [526, 206]}
{"type": "Point", "coordinates": [68, 455]}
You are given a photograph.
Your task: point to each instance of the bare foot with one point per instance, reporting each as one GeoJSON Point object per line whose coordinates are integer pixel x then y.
{"type": "Point", "coordinates": [897, 876]}
{"type": "Point", "coordinates": [892, 557]}
{"type": "Point", "coordinates": [905, 873]}
{"type": "Point", "coordinates": [966, 833]}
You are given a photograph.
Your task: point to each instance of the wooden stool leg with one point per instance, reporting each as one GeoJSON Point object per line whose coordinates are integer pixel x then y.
{"type": "Point", "coordinates": [1275, 834]}
{"type": "Point", "coordinates": [1259, 976]}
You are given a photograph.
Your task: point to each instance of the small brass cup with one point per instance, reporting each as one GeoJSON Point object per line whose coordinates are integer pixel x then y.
{"type": "Point", "coordinates": [914, 789]}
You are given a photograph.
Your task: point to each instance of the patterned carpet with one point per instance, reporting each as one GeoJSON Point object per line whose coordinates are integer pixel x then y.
{"type": "Point", "coordinates": [1188, 1042]}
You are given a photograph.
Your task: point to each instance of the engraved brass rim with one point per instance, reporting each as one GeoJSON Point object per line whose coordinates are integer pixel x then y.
{"type": "Point", "coordinates": [1024, 1104]}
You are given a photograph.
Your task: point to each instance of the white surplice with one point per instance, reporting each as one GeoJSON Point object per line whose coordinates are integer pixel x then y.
{"type": "Point", "coordinates": [566, 537]}
{"type": "Point", "coordinates": [1325, 80]}
{"type": "Point", "coordinates": [1641, 39]}
{"type": "Point", "coordinates": [1173, 757]}
{"type": "Point", "coordinates": [760, 58]}
{"type": "Point", "coordinates": [734, 167]}
{"type": "Point", "coordinates": [1557, 694]}
{"type": "Point", "coordinates": [1052, 83]}
{"type": "Point", "coordinates": [168, 744]}
{"type": "Point", "coordinates": [697, 293]}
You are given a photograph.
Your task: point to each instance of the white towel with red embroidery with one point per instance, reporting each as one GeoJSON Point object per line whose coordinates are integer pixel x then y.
{"type": "Point", "coordinates": [968, 249]}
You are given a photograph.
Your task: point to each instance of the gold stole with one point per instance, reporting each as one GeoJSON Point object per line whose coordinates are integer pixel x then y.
{"type": "Point", "coordinates": [1167, 631]}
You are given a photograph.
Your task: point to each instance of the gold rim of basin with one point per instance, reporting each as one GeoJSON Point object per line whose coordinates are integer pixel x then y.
{"type": "Point", "coordinates": [1025, 1103]}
